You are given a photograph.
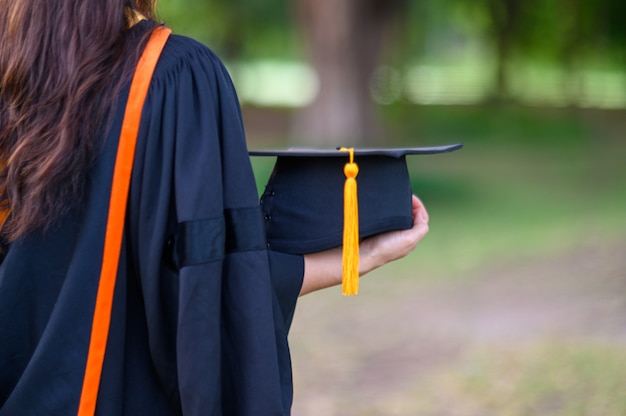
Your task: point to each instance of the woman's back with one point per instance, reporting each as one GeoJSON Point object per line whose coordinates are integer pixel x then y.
{"type": "Point", "coordinates": [195, 325]}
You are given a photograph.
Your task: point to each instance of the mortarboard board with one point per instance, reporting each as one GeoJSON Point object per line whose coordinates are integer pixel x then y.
{"type": "Point", "coordinates": [304, 203]}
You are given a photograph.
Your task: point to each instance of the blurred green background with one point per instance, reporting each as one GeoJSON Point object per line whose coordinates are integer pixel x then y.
{"type": "Point", "coordinates": [515, 303]}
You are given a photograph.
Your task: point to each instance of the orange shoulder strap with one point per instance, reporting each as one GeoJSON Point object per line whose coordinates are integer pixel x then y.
{"type": "Point", "coordinates": [115, 221]}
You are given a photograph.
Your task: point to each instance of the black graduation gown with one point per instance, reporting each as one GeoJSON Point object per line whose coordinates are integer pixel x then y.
{"type": "Point", "coordinates": [199, 325]}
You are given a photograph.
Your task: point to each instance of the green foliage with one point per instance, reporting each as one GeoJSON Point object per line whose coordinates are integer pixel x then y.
{"type": "Point", "coordinates": [573, 34]}
{"type": "Point", "coordinates": [235, 28]}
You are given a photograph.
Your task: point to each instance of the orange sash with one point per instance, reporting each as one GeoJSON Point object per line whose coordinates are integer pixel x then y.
{"type": "Point", "coordinates": [115, 222]}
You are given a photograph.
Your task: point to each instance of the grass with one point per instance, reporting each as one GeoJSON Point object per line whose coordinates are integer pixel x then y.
{"type": "Point", "coordinates": [506, 200]}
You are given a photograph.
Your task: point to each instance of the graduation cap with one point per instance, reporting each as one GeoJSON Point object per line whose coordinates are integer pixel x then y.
{"type": "Point", "coordinates": [312, 201]}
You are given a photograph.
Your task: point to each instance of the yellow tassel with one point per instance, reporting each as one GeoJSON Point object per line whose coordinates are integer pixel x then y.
{"type": "Point", "coordinates": [350, 284]}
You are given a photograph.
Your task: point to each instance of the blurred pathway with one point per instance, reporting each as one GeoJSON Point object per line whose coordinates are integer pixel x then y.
{"type": "Point", "coordinates": [357, 356]}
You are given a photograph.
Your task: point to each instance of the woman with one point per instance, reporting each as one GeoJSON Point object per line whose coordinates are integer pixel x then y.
{"type": "Point", "coordinates": [196, 327]}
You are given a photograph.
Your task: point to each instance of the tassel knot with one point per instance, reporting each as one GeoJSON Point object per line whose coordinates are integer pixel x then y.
{"type": "Point", "coordinates": [351, 170]}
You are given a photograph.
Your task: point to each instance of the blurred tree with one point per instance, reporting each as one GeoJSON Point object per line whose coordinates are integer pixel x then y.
{"type": "Point", "coordinates": [506, 17]}
{"type": "Point", "coordinates": [344, 40]}
{"type": "Point", "coordinates": [502, 24]}
{"type": "Point", "coordinates": [580, 28]}
{"type": "Point", "coordinates": [573, 35]}
{"type": "Point", "coordinates": [562, 33]}
{"type": "Point", "coordinates": [612, 18]}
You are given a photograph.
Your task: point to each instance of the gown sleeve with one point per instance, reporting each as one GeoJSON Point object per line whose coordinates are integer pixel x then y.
{"type": "Point", "coordinates": [217, 319]}
{"type": "Point", "coordinates": [287, 271]}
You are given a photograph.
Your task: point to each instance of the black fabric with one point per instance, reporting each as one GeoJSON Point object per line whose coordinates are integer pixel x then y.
{"type": "Point", "coordinates": [284, 266]}
{"type": "Point", "coordinates": [303, 202]}
{"type": "Point", "coordinates": [246, 230]}
{"type": "Point", "coordinates": [203, 241]}
{"type": "Point", "coordinates": [196, 242]}
{"type": "Point", "coordinates": [206, 338]}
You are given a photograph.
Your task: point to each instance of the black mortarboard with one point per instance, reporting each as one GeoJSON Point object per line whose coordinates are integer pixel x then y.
{"type": "Point", "coordinates": [304, 205]}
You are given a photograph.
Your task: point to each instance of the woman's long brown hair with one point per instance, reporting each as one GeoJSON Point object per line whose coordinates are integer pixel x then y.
{"type": "Point", "coordinates": [61, 66]}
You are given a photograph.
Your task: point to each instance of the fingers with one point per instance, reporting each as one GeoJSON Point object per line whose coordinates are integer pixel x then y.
{"type": "Point", "coordinates": [384, 248]}
{"type": "Point", "coordinates": [420, 223]}
{"type": "Point", "coordinates": [420, 230]}
{"type": "Point", "coordinates": [419, 211]}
